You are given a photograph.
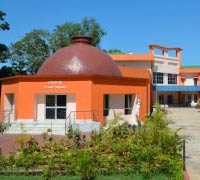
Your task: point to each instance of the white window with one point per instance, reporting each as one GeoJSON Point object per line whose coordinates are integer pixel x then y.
{"type": "Point", "coordinates": [56, 106]}
{"type": "Point", "coordinates": [157, 78]}
{"type": "Point", "coordinates": [172, 78]}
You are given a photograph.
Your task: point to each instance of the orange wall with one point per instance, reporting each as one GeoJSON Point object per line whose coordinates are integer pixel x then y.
{"type": "Point", "coordinates": [6, 88]}
{"type": "Point", "coordinates": [121, 86]}
{"type": "Point", "coordinates": [27, 90]}
{"type": "Point", "coordinates": [89, 93]}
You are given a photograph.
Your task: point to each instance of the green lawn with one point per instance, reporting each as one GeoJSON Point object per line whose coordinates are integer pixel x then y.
{"type": "Point", "coordinates": [113, 177]}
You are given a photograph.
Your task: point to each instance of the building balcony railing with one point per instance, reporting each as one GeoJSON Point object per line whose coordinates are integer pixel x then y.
{"type": "Point", "coordinates": [176, 88]}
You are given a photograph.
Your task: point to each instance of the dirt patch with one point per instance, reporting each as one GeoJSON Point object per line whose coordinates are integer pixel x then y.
{"type": "Point", "coordinates": [10, 144]}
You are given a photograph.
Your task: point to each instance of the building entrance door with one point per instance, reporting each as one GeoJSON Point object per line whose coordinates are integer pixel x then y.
{"type": "Point", "coordinates": [9, 107]}
{"type": "Point", "coordinates": [189, 98]}
{"type": "Point", "coordinates": [183, 99]}
{"type": "Point", "coordinates": [169, 99]}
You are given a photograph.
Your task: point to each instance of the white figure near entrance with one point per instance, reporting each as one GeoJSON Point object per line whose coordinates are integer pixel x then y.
{"type": "Point", "coordinates": [137, 110]}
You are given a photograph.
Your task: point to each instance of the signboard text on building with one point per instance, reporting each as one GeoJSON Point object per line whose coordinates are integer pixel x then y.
{"type": "Point", "coordinates": [55, 85]}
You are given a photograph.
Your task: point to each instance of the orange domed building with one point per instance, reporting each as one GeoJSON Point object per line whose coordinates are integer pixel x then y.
{"type": "Point", "coordinates": [78, 84]}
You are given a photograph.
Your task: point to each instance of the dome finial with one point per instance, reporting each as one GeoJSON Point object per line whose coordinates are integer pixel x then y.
{"type": "Point", "coordinates": [82, 39]}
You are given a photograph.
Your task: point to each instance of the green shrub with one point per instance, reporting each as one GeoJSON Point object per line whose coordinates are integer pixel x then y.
{"type": "Point", "coordinates": [3, 127]}
{"type": "Point", "coordinates": [2, 161]}
{"type": "Point", "coordinates": [145, 150]}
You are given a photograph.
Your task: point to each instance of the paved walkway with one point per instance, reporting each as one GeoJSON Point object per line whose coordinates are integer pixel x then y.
{"type": "Point", "coordinates": [189, 120]}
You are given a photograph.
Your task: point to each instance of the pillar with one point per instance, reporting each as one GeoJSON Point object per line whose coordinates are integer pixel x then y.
{"type": "Point", "coordinates": [198, 97]}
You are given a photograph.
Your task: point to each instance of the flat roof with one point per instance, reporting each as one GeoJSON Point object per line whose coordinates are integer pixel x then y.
{"type": "Point", "coordinates": [163, 47]}
{"type": "Point", "coordinates": [132, 57]}
{"type": "Point", "coordinates": [126, 74]}
{"type": "Point", "coordinates": [190, 69]}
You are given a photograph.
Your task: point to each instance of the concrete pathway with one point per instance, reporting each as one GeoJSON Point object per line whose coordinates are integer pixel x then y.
{"type": "Point", "coordinates": [189, 120]}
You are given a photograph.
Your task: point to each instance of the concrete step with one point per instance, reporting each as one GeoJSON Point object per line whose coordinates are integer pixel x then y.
{"type": "Point", "coordinates": [57, 127]}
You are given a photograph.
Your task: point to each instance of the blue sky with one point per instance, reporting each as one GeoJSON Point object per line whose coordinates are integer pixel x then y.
{"type": "Point", "coordinates": [131, 25]}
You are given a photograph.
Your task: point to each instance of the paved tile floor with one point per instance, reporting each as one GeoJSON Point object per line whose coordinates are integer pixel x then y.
{"type": "Point", "coordinates": [189, 120]}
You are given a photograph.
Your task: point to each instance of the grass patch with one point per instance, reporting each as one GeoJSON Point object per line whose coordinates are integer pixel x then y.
{"type": "Point", "coordinates": [20, 177]}
{"type": "Point", "coordinates": [113, 177]}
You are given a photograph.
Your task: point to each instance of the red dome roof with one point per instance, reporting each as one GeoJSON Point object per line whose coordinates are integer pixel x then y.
{"type": "Point", "coordinates": [80, 58]}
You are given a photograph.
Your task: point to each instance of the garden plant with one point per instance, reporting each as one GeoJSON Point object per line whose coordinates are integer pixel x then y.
{"type": "Point", "coordinates": [121, 150]}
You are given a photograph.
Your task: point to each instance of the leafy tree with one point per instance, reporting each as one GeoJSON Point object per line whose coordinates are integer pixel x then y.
{"type": "Point", "coordinates": [4, 51]}
{"type": "Point", "coordinates": [93, 29]}
{"type": "Point", "coordinates": [5, 71]}
{"type": "Point", "coordinates": [62, 34]}
{"type": "Point", "coordinates": [28, 54]}
{"type": "Point", "coordinates": [3, 24]}
{"type": "Point", "coordinates": [114, 51]}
